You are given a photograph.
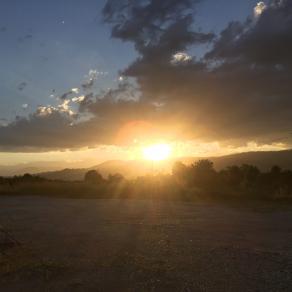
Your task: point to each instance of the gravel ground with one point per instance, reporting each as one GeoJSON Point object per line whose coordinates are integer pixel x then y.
{"type": "Point", "coordinates": [132, 245]}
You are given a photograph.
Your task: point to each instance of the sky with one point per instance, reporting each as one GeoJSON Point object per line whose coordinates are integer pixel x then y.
{"type": "Point", "coordinates": [98, 79]}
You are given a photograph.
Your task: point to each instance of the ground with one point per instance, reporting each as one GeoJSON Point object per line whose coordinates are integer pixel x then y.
{"type": "Point", "coordinates": [135, 245]}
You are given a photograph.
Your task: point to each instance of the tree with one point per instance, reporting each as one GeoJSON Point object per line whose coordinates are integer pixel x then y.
{"type": "Point", "coordinates": [203, 166]}
{"type": "Point", "coordinates": [181, 172]}
{"type": "Point", "coordinates": [276, 170]}
{"type": "Point", "coordinates": [27, 177]}
{"type": "Point", "coordinates": [203, 173]}
{"type": "Point", "coordinates": [92, 176]}
{"type": "Point", "coordinates": [115, 178]}
{"type": "Point", "coordinates": [232, 175]}
{"type": "Point", "coordinates": [250, 174]}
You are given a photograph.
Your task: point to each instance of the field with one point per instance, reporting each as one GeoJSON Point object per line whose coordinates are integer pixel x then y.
{"type": "Point", "coordinates": [144, 245]}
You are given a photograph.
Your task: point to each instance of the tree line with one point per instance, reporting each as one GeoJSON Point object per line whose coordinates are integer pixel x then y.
{"type": "Point", "coordinates": [199, 179]}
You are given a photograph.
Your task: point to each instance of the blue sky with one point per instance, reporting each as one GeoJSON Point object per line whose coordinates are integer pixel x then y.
{"type": "Point", "coordinates": [52, 45]}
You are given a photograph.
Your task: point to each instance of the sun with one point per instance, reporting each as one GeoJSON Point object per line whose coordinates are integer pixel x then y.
{"type": "Point", "coordinates": [157, 152]}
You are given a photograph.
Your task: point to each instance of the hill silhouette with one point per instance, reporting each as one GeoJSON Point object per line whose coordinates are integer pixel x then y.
{"type": "Point", "coordinates": [134, 168]}
{"type": "Point", "coordinates": [264, 160]}
{"type": "Point", "coordinates": [129, 169]}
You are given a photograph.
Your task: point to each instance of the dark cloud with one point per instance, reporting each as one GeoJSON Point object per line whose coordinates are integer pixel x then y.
{"type": "Point", "coordinates": [25, 38]}
{"type": "Point", "coordinates": [91, 78]}
{"type": "Point", "coordinates": [66, 95]}
{"type": "Point", "coordinates": [266, 40]}
{"type": "Point", "coordinates": [47, 129]}
{"type": "Point", "coordinates": [240, 91]}
{"type": "Point", "coordinates": [52, 128]}
{"type": "Point", "coordinates": [21, 86]}
{"type": "Point", "coordinates": [158, 29]}
{"type": "Point", "coordinates": [255, 72]}
{"type": "Point", "coordinates": [28, 36]}
{"type": "Point", "coordinates": [88, 84]}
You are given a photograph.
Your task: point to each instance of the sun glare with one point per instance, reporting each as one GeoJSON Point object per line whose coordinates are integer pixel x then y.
{"type": "Point", "coordinates": [157, 152]}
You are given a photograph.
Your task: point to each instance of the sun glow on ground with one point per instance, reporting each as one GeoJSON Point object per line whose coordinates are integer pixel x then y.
{"type": "Point", "coordinates": [157, 152]}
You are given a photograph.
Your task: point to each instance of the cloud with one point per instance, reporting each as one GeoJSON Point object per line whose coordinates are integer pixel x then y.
{"type": "Point", "coordinates": [88, 85]}
{"type": "Point", "coordinates": [180, 57]}
{"type": "Point", "coordinates": [21, 86]}
{"type": "Point", "coordinates": [259, 9]}
{"type": "Point", "coordinates": [25, 38]}
{"type": "Point", "coordinates": [78, 99]}
{"type": "Point", "coordinates": [67, 94]}
{"type": "Point", "coordinates": [46, 128]}
{"type": "Point", "coordinates": [3, 122]}
{"type": "Point", "coordinates": [240, 91]}
{"type": "Point", "coordinates": [64, 107]}
{"type": "Point", "coordinates": [90, 79]}
{"type": "Point", "coordinates": [266, 42]}
{"type": "Point", "coordinates": [75, 90]}
{"type": "Point", "coordinates": [51, 128]}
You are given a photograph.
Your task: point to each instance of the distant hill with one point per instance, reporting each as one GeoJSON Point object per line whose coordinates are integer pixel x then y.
{"type": "Point", "coordinates": [131, 169]}
{"type": "Point", "coordinates": [37, 167]}
{"type": "Point", "coordinates": [20, 169]}
{"type": "Point", "coordinates": [65, 174]}
{"type": "Point", "coordinates": [263, 160]}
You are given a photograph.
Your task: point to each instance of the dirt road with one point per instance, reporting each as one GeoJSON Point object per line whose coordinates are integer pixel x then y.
{"type": "Point", "coordinates": [121, 245]}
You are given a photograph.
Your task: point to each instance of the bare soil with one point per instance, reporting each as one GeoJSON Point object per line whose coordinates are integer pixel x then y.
{"type": "Point", "coordinates": [135, 245]}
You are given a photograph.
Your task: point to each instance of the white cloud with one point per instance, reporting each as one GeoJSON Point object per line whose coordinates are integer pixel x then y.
{"type": "Point", "coordinates": [93, 74]}
{"type": "Point", "coordinates": [25, 106]}
{"type": "Point", "coordinates": [259, 9]}
{"type": "Point", "coordinates": [180, 57]}
{"type": "Point", "coordinates": [48, 110]}
{"type": "Point", "coordinates": [3, 122]}
{"type": "Point", "coordinates": [43, 111]}
{"type": "Point", "coordinates": [75, 90]}
{"type": "Point", "coordinates": [65, 105]}
{"type": "Point", "coordinates": [78, 99]}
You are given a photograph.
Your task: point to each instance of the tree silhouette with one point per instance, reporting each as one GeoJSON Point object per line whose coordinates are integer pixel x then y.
{"type": "Point", "coordinates": [203, 173]}
{"type": "Point", "coordinates": [181, 173]}
{"type": "Point", "coordinates": [232, 175]}
{"type": "Point", "coordinates": [276, 170]}
{"type": "Point", "coordinates": [250, 175]}
{"type": "Point", "coordinates": [115, 178]}
{"type": "Point", "coordinates": [92, 176]}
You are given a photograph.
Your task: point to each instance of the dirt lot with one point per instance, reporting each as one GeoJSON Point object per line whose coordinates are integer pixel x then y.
{"type": "Point", "coordinates": [120, 245]}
